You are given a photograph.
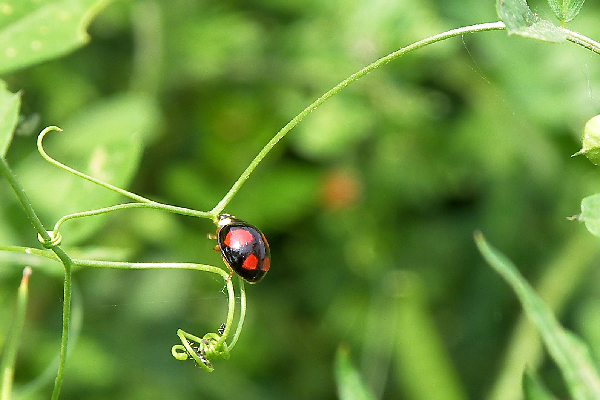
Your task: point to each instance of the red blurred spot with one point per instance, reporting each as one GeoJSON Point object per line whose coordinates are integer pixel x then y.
{"type": "Point", "coordinates": [340, 188]}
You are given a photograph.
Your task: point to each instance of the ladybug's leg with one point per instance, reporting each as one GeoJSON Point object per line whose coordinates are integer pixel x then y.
{"type": "Point", "coordinates": [230, 272]}
{"type": "Point", "coordinates": [211, 236]}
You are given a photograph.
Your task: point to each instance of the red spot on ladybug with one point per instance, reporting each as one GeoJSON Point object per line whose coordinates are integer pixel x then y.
{"type": "Point", "coordinates": [237, 238]}
{"type": "Point", "coordinates": [251, 262]}
{"type": "Point", "coordinates": [243, 247]}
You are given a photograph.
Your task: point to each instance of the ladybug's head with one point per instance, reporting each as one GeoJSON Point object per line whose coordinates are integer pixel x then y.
{"type": "Point", "coordinates": [225, 219]}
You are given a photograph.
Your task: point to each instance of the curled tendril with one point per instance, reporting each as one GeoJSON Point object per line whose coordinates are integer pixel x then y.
{"type": "Point", "coordinates": [142, 202]}
{"type": "Point", "coordinates": [81, 174]}
{"type": "Point", "coordinates": [212, 346]}
{"type": "Point", "coordinates": [55, 239]}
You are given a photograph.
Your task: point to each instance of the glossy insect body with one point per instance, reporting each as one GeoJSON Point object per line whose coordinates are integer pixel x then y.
{"type": "Point", "coordinates": [244, 248]}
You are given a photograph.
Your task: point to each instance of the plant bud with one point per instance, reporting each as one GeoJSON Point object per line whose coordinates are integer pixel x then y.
{"type": "Point", "coordinates": [591, 140]}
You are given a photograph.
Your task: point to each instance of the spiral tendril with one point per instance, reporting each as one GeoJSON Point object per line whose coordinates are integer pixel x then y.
{"type": "Point", "coordinates": [55, 239]}
{"type": "Point", "coordinates": [202, 351]}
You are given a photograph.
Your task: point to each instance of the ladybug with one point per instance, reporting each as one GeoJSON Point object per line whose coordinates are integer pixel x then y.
{"type": "Point", "coordinates": [244, 248]}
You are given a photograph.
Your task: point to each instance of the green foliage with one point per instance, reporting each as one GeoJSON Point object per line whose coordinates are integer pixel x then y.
{"type": "Point", "coordinates": [369, 203]}
{"type": "Point", "coordinates": [570, 354]}
{"type": "Point", "coordinates": [349, 382]}
{"type": "Point", "coordinates": [533, 389]}
{"type": "Point", "coordinates": [32, 32]}
{"type": "Point", "coordinates": [566, 10]}
{"type": "Point", "coordinates": [104, 141]}
{"type": "Point", "coordinates": [9, 112]}
{"type": "Point", "coordinates": [519, 20]}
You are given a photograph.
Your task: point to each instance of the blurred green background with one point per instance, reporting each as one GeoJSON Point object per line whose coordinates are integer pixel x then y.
{"type": "Point", "coordinates": [369, 205]}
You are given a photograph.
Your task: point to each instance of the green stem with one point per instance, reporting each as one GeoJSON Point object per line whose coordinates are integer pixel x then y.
{"type": "Point", "coordinates": [66, 322]}
{"type": "Point", "coordinates": [582, 41]}
{"type": "Point", "coordinates": [128, 265]}
{"type": "Point", "coordinates": [230, 312]}
{"type": "Point", "coordinates": [490, 26]}
{"type": "Point", "coordinates": [31, 251]}
{"type": "Point", "coordinates": [152, 205]}
{"type": "Point", "coordinates": [64, 258]}
{"type": "Point", "coordinates": [238, 331]}
{"type": "Point", "coordinates": [22, 196]}
{"type": "Point", "coordinates": [199, 267]}
{"type": "Point", "coordinates": [218, 209]}
{"type": "Point", "coordinates": [9, 354]}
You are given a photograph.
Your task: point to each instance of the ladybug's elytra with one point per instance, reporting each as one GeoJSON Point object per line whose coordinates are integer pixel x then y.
{"type": "Point", "coordinates": [244, 248]}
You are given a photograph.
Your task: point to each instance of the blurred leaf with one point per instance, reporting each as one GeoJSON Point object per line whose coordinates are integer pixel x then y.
{"type": "Point", "coordinates": [8, 357]}
{"type": "Point", "coordinates": [591, 140]}
{"type": "Point", "coordinates": [36, 31]}
{"type": "Point", "coordinates": [590, 213]}
{"type": "Point", "coordinates": [90, 364]}
{"type": "Point", "coordinates": [48, 374]}
{"type": "Point", "coordinates": [561, 277]}
{"type": "Point", "coordinates": [104, 141]}
{"type": "Point", "coordinates": [349, 383]}
{"type": "Point", "coordinates": [570, 354]}
{"type": "Point", "coordinates": [210, 46]}
{"type": "Point", "coordinates": [533, 389]}
{"type": "Point", "coordinates": [588, 321]}
{"type": "Point", "coordinates": [424, 366]}
{"type": "Point", "coordinates": [339, 125]}
{"type": "Point", "coordinates": [566, 10]}
{"type": "Point", "coordinates": [519, 20]}
{"type": "Point", "coordinates": [9, 113]}
{"type": "Point", "coordinates": [291, 191]}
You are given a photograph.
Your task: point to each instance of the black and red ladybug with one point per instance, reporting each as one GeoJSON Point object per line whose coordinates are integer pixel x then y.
{"type": "Point", "coordinates": [244, 248]}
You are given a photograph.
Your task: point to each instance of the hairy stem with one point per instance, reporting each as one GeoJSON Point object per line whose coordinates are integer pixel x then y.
{"type": "Point", "coordinates": [64, 258]}
{"type": "Point", "coordinates": [491, 26]}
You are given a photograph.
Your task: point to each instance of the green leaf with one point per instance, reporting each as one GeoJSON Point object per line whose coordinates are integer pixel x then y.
{"type": "Point", "coordinates": [519, 20]}
{"type": "Point", "coordinates": [349, 384]}
{"type": "Point", "coordinates": [565, 10]}
{"type": "Point", "coordinates": [570, 354]}
{"type": "Point", "coordinates": [9, 113]}
{"type": "Point", "coordinates": [591, 140]}
{"type": "Point", "coordinates": [590, 213]}
{"type": "Point", "coordinates": [104, 141]}
{"type": "Point", "coordinates": [36, 31]}
{"type": "Point", "coordinates": [533, 389]}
